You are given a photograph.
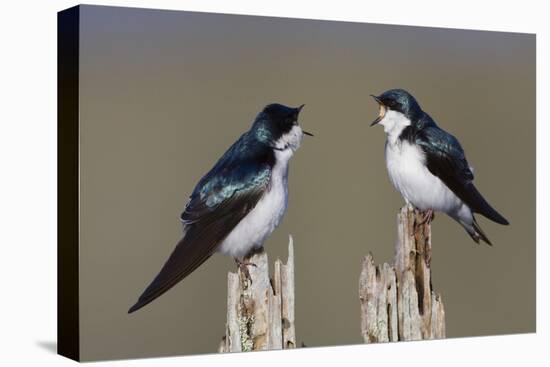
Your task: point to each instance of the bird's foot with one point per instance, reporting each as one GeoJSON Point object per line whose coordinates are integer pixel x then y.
{"type": "Point", "coordinates": [243, 267]}
{"type": "Point", "coordinates": [429, 216]}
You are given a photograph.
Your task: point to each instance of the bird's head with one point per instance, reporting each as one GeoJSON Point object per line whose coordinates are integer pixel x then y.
{"type": "Point", "coordinates": [277, 125]}
{"type": "Point", "coordinates": [396, 104]}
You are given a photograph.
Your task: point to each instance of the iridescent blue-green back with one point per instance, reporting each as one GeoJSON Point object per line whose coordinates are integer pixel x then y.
{"type": "Point", "coordinates": [245, 165]}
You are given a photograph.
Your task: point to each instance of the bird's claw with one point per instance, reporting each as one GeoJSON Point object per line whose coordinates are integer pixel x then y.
{"type": "Point", "coordinates": [429, 216]}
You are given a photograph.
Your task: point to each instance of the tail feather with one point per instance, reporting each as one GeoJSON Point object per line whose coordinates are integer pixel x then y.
{"type": "Point", "coordinates": [481, 206]}
{"type": "Point", "coordinates": [477, 233]}
{"type": "Point", "coordinates": [185, 258]}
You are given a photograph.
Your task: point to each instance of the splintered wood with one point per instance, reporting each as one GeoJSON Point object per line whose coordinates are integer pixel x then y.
{"type": "Point", "coordinates": [398, 302]}
{"type": "Point", "coordinates": [260, 310]}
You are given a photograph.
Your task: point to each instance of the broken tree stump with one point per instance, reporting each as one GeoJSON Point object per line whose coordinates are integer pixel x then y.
{"type": "Point", "coordinates": [397, 301]}
{"type": "Point", "coordinates": [260, 310]}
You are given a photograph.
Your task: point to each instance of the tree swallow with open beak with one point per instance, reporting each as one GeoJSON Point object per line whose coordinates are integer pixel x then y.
{"type": "Point", "coordinates": [428, 166]}
{"type": "Point", "coordinates": [239, 202]}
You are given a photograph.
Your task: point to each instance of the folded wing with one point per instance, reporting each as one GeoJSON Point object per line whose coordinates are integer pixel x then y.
{"type": "Point", "coordinates": [445, 159]}
{"type": "Point", "coordinates": [221, 199]}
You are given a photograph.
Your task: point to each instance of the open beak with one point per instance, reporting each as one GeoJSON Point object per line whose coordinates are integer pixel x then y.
{"type": "Point", "coordinates": [305, 132]}
{"type": "Point", "coordinates": [381, 113]}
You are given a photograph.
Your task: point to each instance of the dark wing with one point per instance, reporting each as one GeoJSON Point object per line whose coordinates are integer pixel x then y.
{"type": "Point", "coordinates": [218, 203]}
{"type": "Point", "coordinates": [445, 159]}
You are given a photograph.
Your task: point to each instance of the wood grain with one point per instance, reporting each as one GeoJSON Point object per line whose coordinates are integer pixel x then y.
{"type": "Point", "coordinates": [260, 310]}
{"type": "Point", "coordinates": [398, 301]}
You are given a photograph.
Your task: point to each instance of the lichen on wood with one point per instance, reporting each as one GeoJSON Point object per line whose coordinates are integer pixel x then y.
{"type": "Point", "coordinates": [260, 309]}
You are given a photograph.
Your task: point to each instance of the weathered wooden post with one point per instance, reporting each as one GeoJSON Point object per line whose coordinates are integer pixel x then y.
{"type": "Point", "coordinates": [260, 310]}
{"type": "Point", "coordinates": [397, 301]}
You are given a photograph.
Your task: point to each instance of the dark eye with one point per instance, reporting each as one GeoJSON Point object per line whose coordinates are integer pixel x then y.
{"type": "Point", "coordinates": [291, 118]}
{"type": "Point", "coordinates": [392, 103]}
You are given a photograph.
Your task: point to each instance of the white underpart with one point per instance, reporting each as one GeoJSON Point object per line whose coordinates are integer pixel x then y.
{"type": "Point", "coordinates": [291, 140]}
{"type": "Point", "coordinates": [406, 164]}
{"type": "Point", "coordinates": [256, 226]}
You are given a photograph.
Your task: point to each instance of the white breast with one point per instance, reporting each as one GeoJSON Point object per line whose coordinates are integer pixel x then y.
{"type": "Point", "coordinates": [410, 176]}
{"type": "Point", "coordinates": [257, 225]}
{"type": "Point", "coordinates": [408, 173]}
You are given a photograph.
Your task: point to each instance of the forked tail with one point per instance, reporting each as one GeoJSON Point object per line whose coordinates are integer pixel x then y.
{"type": "Point", "coordinates": [475, 231]}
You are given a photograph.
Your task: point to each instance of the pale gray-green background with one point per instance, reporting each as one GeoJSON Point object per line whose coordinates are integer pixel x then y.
{"type": "Point", "coordinates": [163, 94]}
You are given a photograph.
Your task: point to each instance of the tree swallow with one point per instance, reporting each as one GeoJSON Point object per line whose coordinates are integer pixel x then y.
{"type": "Point", "coordinates": [239, 202]}
{"type": "Point", "coordinates": [428, 166]}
